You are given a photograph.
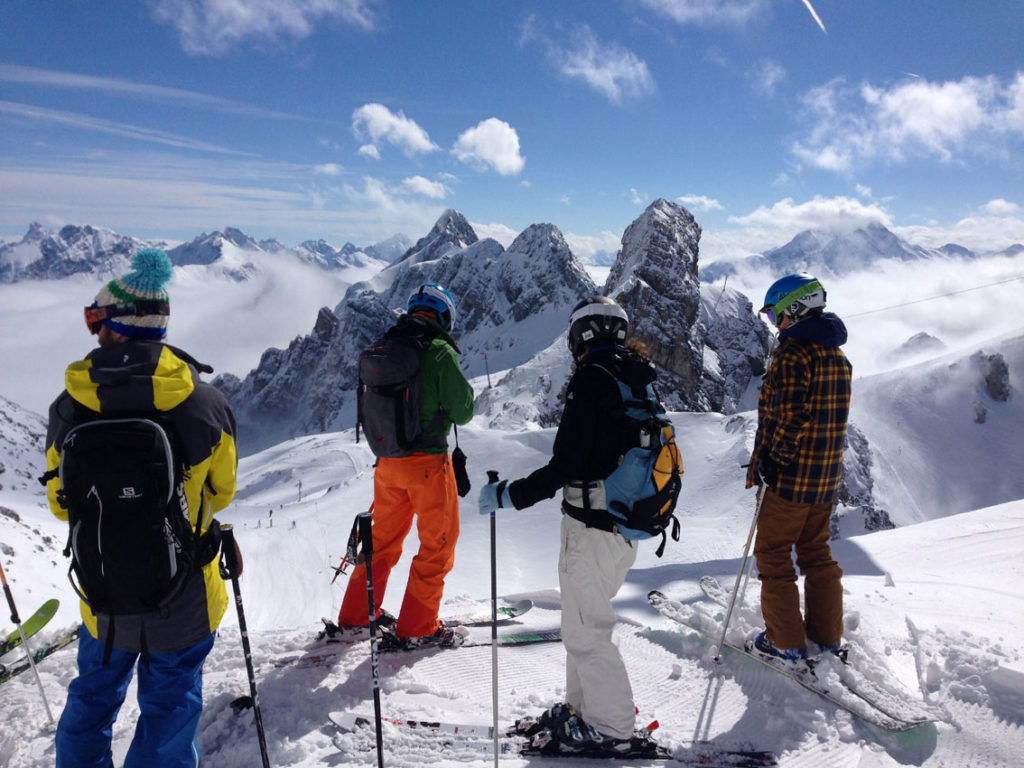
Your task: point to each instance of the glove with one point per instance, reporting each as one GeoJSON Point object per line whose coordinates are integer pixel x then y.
{"type": "Point", "coordinates": [461, 476]}
{"type": "Point", "coordinates": [768, 471]}
{"type": "Point", "coordinates": [494, 496]}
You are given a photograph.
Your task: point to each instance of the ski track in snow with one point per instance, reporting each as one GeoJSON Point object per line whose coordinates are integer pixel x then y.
{"type": "Point", "coordinates": [675, 681]}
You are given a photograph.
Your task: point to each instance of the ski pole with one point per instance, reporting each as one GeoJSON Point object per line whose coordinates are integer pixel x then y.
{"type": "Point", "coordinates": [24, 641]}
{"type": "Point", "coordinates": [365, 522]}
{"type": "Point", "coordinates": [229, 569]}
{"type": "Point", "coordinates": [492, 477]}
{"type": "Point", "coordinates": [739, 575]}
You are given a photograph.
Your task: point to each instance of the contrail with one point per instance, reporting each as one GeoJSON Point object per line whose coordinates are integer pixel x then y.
{"type": "Point", "coordinates": [814, 13]}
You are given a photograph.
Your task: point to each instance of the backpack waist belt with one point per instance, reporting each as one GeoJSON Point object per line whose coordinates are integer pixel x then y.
{"type": "Point", "coordinates": [585, 494]}
{"type": "Point", "coordinates": [586, 501]}
{"type": "Point", "coordinates": [592, 518]}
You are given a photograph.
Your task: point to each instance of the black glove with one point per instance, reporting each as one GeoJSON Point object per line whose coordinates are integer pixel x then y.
{"type": "Point", "coordinates": [768, 471]}
{"type": "Point", "coordinates": [461, 477]}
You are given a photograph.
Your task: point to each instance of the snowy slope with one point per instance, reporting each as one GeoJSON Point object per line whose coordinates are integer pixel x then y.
{"type": "Point", "coordinates": [944, 623]}
{"type": "Point", "coordinates": [934, 605]}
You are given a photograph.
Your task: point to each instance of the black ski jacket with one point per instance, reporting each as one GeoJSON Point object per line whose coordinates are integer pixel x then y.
{"type": "Point", "coordinates": [589, 440]}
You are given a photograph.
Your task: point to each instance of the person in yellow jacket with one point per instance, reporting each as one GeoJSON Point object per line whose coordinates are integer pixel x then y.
{"type": "Point", "coordinates": [133, 372]}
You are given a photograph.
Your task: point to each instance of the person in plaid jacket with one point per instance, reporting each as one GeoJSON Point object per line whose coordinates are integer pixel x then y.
{"type": "Point", "coordinates": [797, 459]}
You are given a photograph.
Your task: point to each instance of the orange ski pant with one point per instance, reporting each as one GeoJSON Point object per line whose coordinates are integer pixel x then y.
{"type": "Point", "coordinates": [421, 486]}
{"type": "Point", "coordinates": [784, 526]}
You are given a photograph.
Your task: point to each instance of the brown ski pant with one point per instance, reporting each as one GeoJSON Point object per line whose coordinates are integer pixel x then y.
{"type": "Point", "coordinates": [782, 527]}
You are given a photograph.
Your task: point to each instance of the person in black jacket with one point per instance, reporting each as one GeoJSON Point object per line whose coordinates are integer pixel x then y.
{"type": "Point", "coordinates": [594, 558]}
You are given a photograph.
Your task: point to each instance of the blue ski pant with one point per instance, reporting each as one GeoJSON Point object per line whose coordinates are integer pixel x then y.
{"type": "Point", "coordinates": [170, 695]}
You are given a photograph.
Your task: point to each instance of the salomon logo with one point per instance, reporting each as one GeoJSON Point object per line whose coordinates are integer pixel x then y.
{"type": "Point", "coordinates": [129, 493]}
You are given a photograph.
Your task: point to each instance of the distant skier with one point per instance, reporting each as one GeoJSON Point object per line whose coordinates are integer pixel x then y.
{"type": "Point", "coordinates": [798, 458]}
{"type": "Point", "coordinates": [599, 715]}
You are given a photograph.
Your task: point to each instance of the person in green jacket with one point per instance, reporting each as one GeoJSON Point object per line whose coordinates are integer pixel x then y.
{"type": "Point", "coordinates": [421, 485]}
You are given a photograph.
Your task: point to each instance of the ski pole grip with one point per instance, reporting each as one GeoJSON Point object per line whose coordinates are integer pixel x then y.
{"type": "Point", "coordinates": [228, 552]}
{"type": "Point", "coordinates": [366, 533]}
{"type": "Point", "coordinates": [492, 475]}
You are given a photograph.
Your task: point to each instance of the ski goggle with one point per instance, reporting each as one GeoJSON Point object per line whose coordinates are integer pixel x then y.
{"type": "Point", "coordinates": [94, 315]}
{"type": "Point", "coordinates": [776, 311]}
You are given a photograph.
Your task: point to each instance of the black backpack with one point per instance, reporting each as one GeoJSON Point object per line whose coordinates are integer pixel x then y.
{"type": "Point", "coordinates": [131, 543]}
{"type": "Point", "coordinates": [388, 397]}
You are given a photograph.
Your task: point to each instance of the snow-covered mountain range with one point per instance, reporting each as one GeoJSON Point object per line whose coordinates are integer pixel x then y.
{"type": "Point", "coordinates": [43, 254]}
{"type": "Point", "coordinates": [929, 524]}
{"type": "Point", "coordinates": [835, 254]}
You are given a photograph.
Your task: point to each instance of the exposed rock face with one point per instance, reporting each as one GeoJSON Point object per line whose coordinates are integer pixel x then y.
{"type": "Point", "coordinates": [510, 304]}
{"type": "Point", "coordinates": [736, 347]}
{"type": "Point", "coordinates": [855, 494]}
{"type": "Point", "coordinates": [655, 279]}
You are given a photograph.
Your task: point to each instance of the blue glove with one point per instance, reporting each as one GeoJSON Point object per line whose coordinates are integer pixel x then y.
{"type": "Point", "coordinates": [494, 496]}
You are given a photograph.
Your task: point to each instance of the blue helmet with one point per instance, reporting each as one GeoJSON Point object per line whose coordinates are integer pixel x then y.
{"type": "Point", "coordinates": [435, 297]}
{"type": "Point", "coordinates": [793, 296]}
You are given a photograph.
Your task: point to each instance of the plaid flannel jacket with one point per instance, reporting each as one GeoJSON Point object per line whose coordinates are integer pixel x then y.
{"type": "Point", "coordinates": [802, 411]}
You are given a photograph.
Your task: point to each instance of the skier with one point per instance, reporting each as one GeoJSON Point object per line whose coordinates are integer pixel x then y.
{"type": "Point", "coordinates": [599, 713]}
{"type": "Point", "coordinates": [133, 371]}
{"type": "Point", "coordinates": [798, 458]}
{"type": "Point", "coordinates": [421, 485]}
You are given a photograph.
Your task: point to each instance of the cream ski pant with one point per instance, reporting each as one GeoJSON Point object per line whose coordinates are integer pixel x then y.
{"type": "Point", "coordinates": [592, 566]}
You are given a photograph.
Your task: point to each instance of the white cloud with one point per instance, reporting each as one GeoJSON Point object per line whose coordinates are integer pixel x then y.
{"type": "Point", "coordinates": [863, 191]}
{"type": "Point", "coordinates": [948, 121]}
{"type": "Point", "coordinates": [70, 81]}
{"type": "Point", "coordinates": [839, 213]}
{"type": "Point", "coordinates": [212, 27]}
{"type": "Point", "coordinates": [615, 72]}
{"type": "Point", "coordinates": [328, 169]}
{"type": "Point", "coordinates": [708, 12]}
{"type": "Point", "coordinates": [636, 198]}
{"type": "Point", "coordinates": [112, 127]}
{"type": "Point", "coordinates": [418, 185]}
{"type": "Point", "coordinates": [700, 202]}
{"type": "Point", "coordinates": [496, 231]}
{"type": "Point", "coordinates": [1000, 207]}
{"type": "Point", "coordinates": [765, 76]}
{"type": "Point", "coordinates": [370, 151]}
{"type": "Point", "coordinates": [996, 225]}
{"type": "Point", "coordinates": [493, 143]}
{"type": "Point", "coordinates": [379, 124]}
{"type": "Point", "coordinates": [588, 246]}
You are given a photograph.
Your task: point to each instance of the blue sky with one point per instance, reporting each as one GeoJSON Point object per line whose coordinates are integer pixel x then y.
{"type": "Point", "coordinates": [351, 120]}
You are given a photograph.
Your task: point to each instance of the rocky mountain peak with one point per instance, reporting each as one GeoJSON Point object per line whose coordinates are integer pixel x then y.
{"type": "Point", "coordinates": [452, 232]}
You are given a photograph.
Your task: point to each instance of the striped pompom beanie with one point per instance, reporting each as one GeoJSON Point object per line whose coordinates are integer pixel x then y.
{"type": "Point", "coordinates": [151, 272]}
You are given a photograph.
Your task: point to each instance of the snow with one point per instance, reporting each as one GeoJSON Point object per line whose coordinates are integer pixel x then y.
{"type": "Point", "coordinates": [935, 605]}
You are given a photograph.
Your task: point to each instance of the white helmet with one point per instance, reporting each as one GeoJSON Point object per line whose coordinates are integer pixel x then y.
{"type": "Point", "coordinates": [596, 319]}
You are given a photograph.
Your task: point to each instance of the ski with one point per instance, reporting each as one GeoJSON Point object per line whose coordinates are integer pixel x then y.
{"type": "Point", "coordinates": [325, 654]}
{"type": "Point", "coordinates": [481, 617]}
{"type": "Point", "coordinates": [853, 703]}
{"type": "Point", "coordinates": [479, 738]}
{"type": "Point", "coordinates": [505, 640]}
{"type": "Point", "coordinates": [7, 672]}
{"type": "Point", "coordinates": [332, 633]}
{"type": "Point", "coordinates": [350, 721]}
{"type": "Point", "coordinates": [697, 756]}
{"type": "Point", "coordinates": [31, 625]}
{"type": "Point", "coordinates": [896, 703]}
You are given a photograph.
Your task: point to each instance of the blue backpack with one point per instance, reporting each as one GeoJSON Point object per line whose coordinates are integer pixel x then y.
{"type": "Point", "coordinates": [641, 493]}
